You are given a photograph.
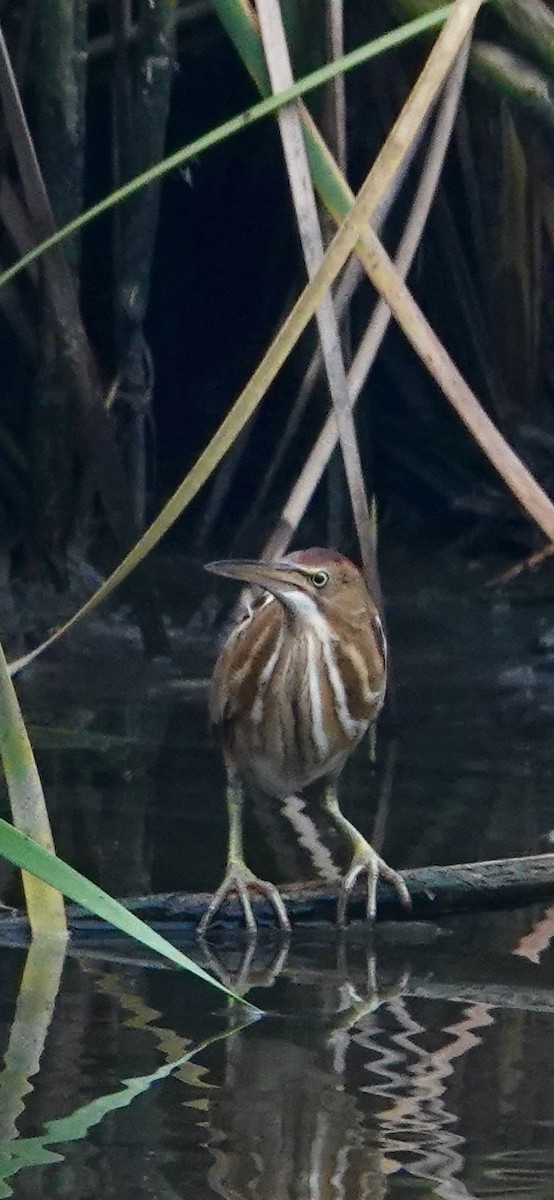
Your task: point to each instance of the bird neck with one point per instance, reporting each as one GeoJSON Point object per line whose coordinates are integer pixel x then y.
{"type": "Point", "coordinates": [301, 614]}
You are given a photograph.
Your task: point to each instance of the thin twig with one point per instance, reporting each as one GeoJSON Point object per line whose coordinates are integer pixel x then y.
{"type": "Point", "coordinates": [525, 564]}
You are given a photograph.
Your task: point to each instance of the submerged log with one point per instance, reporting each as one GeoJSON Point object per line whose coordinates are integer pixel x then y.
{"type": "Point", "coordinates": [435, 892]}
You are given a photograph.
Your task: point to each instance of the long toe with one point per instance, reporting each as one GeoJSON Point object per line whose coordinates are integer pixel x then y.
{"type": "Point", "coordinates": [273, 896]}
{"type": "Point", "coordinates": [240, 881]}
{"type": "Point", "coordinates": [367, 861]}
{"type": "Point", "coordinates": [232, 885]}
{"type": "Point", "coordinates": [397, 882]}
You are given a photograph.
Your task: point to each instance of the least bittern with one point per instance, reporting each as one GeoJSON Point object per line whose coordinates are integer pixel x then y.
{"type": "Point", "coordinates": [300, 678]}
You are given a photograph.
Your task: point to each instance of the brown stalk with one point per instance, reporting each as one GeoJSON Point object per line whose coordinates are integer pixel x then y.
{"type": "Point", "coordinates": [334, 126]}
{"type": "Point", "coordinates": [351, 278]}
{"type": "Point", "coordinates": [348, 237]}
{"type": "Point", "coordinates": [529, 563]}
{"type": "Point", "coordinates": [320, 454]}
{"type": "Point", "coordinates": [520, 481]}
{"type": "Point", "coordinates": [280, 72]}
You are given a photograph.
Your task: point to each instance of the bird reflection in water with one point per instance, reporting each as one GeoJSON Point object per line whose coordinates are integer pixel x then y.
{"type": "Point", "coordinates": [335, 1102]}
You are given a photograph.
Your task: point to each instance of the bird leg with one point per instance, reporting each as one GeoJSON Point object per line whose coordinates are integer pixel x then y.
{"type": "Point", "coordinates": [364, 858]}
{"type": "Point", "coordinates": [238, 877]}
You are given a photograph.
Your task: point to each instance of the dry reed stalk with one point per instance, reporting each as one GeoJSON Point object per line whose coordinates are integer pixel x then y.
{"type": "Point", "coordinates": [316, 462]}
{"type": "Point", "coordinates": [519, 480]}
{"type": "Point", "coordinates": [350, 280]}
{"type": "Point", "coordinates": [327, 176]}
{"type": "Point", "coordinates": [392, 155]}
{"type": "Point", "coordinates": [423, 339]}
{"type": "Point", "coordinates": [334, 126]}
{"type": "Point", "coordinates": [280, 72]}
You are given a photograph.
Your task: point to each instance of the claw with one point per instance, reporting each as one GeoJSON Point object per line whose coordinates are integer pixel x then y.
{"type": "Point", "coordinates": [367, 859]}
{"type": "Point", "coordinates": [239, 879]}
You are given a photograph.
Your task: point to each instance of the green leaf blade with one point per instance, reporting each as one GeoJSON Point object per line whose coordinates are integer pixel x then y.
{"type": "Point", "coordinates": [264, 108]}
{"type": "Point", "coordinates": [23, 852]}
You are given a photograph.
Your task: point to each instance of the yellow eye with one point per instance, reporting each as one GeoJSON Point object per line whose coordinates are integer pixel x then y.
{"type": "Point", "coordinates": [320, 578]}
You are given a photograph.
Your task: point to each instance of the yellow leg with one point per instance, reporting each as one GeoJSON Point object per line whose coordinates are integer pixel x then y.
{"type": "Point", "coordinates": [238, 877]}
{"type": "Point", "coordinates": [364, 858]}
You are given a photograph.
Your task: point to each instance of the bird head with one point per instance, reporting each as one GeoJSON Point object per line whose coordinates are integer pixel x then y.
{"type": "Point", "coordinates": [306, 582]}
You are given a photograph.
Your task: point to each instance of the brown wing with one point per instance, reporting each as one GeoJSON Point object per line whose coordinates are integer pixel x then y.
{"type": "Point", "coordinates": [221, 698]}
{"type": "Point", "coordinates": [236, 673]}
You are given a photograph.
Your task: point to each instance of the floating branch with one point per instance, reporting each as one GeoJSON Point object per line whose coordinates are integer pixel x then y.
{"type": "Point", "coordinates": [435, 891]}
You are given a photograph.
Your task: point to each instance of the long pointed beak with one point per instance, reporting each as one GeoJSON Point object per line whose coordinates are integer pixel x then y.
{"type": "Point", "coordinates": [273, 576]}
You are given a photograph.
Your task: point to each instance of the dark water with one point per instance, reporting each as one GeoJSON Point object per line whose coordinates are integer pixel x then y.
{"type": "Point", "coordinates": [419, 1061]}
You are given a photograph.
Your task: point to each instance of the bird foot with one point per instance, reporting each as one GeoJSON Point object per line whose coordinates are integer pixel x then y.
{"type": "Point", "coordinates": [238, 880]}
{"type": "Point", "coordinates": [366, 859]}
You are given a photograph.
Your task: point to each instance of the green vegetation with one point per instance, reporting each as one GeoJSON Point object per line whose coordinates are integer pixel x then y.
{"type": "Point", "coordinates": [65, 390]}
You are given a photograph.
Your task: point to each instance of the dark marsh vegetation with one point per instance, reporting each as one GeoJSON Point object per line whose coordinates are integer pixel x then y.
{"type": "Point", "coordinates": [123, 349]}
{"type": "Point", "coordinates": [168, 375]}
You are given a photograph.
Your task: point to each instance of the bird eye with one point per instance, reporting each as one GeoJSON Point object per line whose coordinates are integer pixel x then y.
{"type": "Point", "coordinates": [320, 578]}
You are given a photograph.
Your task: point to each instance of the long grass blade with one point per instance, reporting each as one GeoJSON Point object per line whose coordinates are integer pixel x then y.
{"type": "Point", "coordinates": [235, 125]}
{"type": "Point", "coordinates": [25, 853]}
{"type": "Point", "coordinates": [45, 907]}
{"type": "Point", "coordinates": [239, 19]}
{"type": "Point", "coordinates": [384, 169]}
{"type": "Point", "coordinates": [527, 491]}
{"type": "Point", "coordinates": [34, 1151]}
